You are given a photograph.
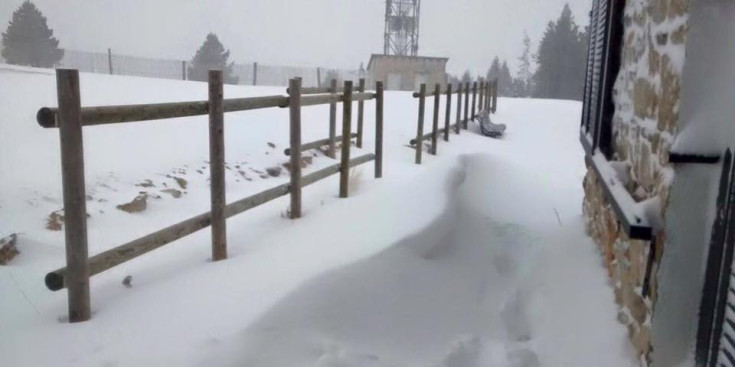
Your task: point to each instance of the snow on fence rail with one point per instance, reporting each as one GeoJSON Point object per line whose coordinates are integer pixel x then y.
{"type": "Point", "coordinates": [70, 117]}
{"type": "Point", "coordinates": [488, 100]}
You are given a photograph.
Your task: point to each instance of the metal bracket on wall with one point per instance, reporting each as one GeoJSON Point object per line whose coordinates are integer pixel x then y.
{"type": "Point", "coordinates": [693, 158]}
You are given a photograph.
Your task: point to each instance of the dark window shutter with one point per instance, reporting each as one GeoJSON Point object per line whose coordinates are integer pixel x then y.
{"type": "Point", "coordinates": [603, 65]}
{"type": "Point", "coordinates": [589, 72]}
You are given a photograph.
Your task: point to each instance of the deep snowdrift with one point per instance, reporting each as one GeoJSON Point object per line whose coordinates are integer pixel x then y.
{"type": "Point", "coordinates": [476, 258]}
{"type": "Point", "coordinates": [469, 290]}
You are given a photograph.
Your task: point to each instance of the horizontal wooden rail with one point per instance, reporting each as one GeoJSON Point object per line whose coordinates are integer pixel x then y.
{"type": "Point", "coordinates": [317, 144]}
{"type": "Point", "coordinates": [322, 90]}
{"type": "Point", "coordinates": [442, 92]}
{"type": "Point", "coordinates": [428, 136]}
{"type": "Point", "coordinates": [318, 90]}
{"type": "Point", "coordinates": [56, 280]}
{"type": "Point", "coordinates": [48, 117]}
{"type": "Point", "coordinates": [333, 98]}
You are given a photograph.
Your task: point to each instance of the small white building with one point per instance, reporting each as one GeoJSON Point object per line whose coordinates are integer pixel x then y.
{"type": "Point", "coordinates": [407, 72]}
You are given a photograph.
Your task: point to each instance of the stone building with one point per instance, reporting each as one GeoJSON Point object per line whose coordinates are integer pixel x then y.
{"type": "Point", "coordinates": [658, 118]}
{"type": "Point", "coordinates": [407, 72]}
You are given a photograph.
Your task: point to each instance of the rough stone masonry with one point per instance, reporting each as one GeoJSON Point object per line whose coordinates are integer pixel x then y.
{"type": "Point", "coordinates": [646, 98]}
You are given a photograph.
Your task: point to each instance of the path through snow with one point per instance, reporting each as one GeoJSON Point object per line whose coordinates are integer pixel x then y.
{"type": "Point", "coordinates": [483, 285]}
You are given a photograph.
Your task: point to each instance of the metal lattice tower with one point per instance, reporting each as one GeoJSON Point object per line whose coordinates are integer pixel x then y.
{"type": "Point", "coordinates": [402, 27]}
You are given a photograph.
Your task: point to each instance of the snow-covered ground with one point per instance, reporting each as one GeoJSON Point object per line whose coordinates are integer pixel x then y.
{"type": "Point", "coordinates": [476, 258]}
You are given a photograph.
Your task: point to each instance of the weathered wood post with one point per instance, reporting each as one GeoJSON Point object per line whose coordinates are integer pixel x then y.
{"type": "Point", "coordinates": [344, 169]}
{"type": "Point", "coordinates": [360, 113]}
{"type": "Point", "coordinates": [420, 128]}
{"type": "Point", "coordinates": [217, 165]}
{"type": "Point", "coordinates": [495, 95]}
{"type": "Point", "coordinates": [75, 205]}
{"type": "Point", "coordinates": [332, 122]}
{"type": "Point", "coordinates": [435, 125]}
{"type": "Point", "coordinates": [491, 90]}
{"type": "Point", "coordinates": [473, 114]}
{"type": "Point", "coordinates": [466, 105]}
{"type": "Point", "coordinates": [489, 97]}
{"type": "Point", "coordinates": [485, 103]}
{"type": "Point", "coordinates": [448, 116]}
{"type": "Point", "coordinates": [255, 73]}
{"type": "Point", "coordinates": [379, 130]}
{"type": "Point", "coordinates": [480, 95]}
{"type": "Point", "coordinates": [183, 70]}
{"type": "Point", "coordinates": [458, 127]}
{"type": "Point", "coordinates": [294, 104]}
{"type": "Point", "coordinates": [109, 61]}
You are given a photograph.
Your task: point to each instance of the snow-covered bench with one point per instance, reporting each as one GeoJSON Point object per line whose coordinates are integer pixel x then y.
{"type": "Point", "coordinates": [489, 128]}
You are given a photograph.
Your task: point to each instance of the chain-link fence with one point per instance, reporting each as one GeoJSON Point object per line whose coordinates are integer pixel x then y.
{"type": "Point", "coordinates": [247, 73]}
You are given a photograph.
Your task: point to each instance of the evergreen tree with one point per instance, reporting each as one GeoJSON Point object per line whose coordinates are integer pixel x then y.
{"type": "Point", "coordinates": [212, 56]}
{"type": "Point", "coordinates": [561, 60]}
{"type": "Point", "coordinates": [332, 74]}
{"type": "Point", "coordinates": [524, 84]}
{"type": "Point", "coordinates": [505, 81]}
{"type": "Point", "coordinates": [501, 72]}
{"type": "Point", "coordinates": [466, 77]}
{"type": "Point", "coordinates": [29, 41]}
{"type": "Point", "coordinates": [494, 71]}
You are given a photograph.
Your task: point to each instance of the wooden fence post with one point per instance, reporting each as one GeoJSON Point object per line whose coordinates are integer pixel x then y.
{"type": "Point", "coordinates": [183, 70]}
{"type": "Point", "coordinates": [360, 113]}
{"type": "Point", "coordinates": [458, 127]}
{"type": "Point", "coordinates": [473, 114]}
{"type": "Point", "coordinates": [486, 104]}
{"type": "Point", "coordinates": [495, 95]}
{"type": "Point", "coordinates": [333, 122]}
{"type": "Point", "coordinates": [480, 95]}
{"type": "Point", "coordinates": [379, 130]}
{"type": "Point", "coordinates": [109, 61]}
{"type": "Point", "coordinates": [217, 165]}
{"type": "Point", "coordinates": [435, 125]}
{"type": "Point", "coordinates": [420, 129]}
{"type": "Point", "coordinates": [344, 169]}
{"type": "Point", "coordinates": [75, 206]}
{"type": "Point", "coordinates": [466, 105]}
{"type": "Point", "coordinates": [489, 97]}
{"type": "Point", "coordinates": [448, 116]}
{"type": "Point", "coordinates": [294, 103]}
{"type": "Point", "coordinates": [255, 73]}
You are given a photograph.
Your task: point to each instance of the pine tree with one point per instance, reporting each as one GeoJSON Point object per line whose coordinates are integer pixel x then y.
{"type": "Point", "coordinates": [561, 60]}
{"type": "Point", "coordinates": [29, 41]}
{"type": "Point", "coordinates": [494, 71]}
{"type": "Point", "coordinates": [505, 81]}
{"type": "Point", "coordinates": [212, 56]}
{"type": "Point", "coordinates": [524, 84]}
{"type": "Point", "coordinates": [466, 77]}
{"type": "Point", "coordinates": [332, 74]}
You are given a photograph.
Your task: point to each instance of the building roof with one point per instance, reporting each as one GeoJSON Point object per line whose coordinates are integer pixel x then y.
{"type": "Point", "coordinates": [426, 58]}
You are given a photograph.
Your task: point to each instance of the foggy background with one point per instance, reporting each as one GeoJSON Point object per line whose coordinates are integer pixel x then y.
{"type": "Point", "coordinates": [331, 33]}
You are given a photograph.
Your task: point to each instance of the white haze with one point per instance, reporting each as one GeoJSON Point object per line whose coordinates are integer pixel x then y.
{"type": "Point", "coordinates": [327, 33]}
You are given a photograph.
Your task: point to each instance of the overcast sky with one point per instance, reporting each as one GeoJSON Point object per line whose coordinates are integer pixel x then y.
{"type": "Point", "coordinates": [328, 33]}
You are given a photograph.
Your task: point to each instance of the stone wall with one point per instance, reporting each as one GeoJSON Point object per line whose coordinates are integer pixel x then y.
{"type": "Point", "coordinates": [646, 98]}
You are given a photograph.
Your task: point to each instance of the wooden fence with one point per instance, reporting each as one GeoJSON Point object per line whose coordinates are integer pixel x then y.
{"type": "Point", "coordinates": [484, 98]}
{"type": "Point", "coordinates": [70, 118]}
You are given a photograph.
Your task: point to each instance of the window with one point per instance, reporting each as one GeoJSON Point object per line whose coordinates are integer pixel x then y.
{"type": "Point", "coordinates": [603, 65]}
